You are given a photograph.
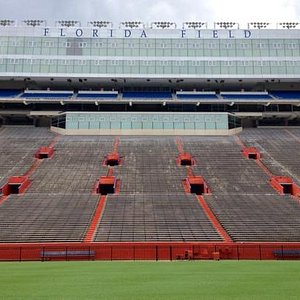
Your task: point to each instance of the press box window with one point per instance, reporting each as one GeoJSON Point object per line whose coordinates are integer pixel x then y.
{"type": "Point", "coordinates": [99, 62]}
{"type": "Point", "coordinates": [228, 46]}
{"type": "Point", "coordinates": [178, 63]}
{"type": "Point", "coordinates": [31, 44]}
{"type": "Point", "coordinates": [81, 62]}
{"type": "Point", "coordinates": [15, 43]}
{"type": "Point", "coordinates": [28, 61]}
{"type": "Point", "coordinates": [49, 44]}
{"type": "Point", "coordinates": [83, 45]}
{"type": "Point", "coordinates": [211, 63]}
{"type": "Point", "coordinates": [146, 63]}
{"type": "Point", "coordinates": [130, 63]}
{"type": "Point", "coordinates": [244, 46]}
{"type": "Point", "coordinates": [99, 45]}
{"type": "Point", "coordinates": [163, 63]}
{"type": "Point", "coordinates": [14, 61]}
{"type": "Point", "coordinates": [196, 63]}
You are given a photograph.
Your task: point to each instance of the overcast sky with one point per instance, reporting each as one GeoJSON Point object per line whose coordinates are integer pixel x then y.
{"type": "Point", "coordinates": [178, 11]}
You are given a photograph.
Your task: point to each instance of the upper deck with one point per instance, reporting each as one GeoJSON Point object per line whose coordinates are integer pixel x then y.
{"type": "Point", "coordinates": [148, 51]}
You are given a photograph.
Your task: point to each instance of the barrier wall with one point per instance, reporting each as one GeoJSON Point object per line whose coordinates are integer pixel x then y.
{"type": "Point", "coordinates": [148, 251]}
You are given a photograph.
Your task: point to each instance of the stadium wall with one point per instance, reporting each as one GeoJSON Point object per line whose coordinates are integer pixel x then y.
{"type": "Point", "coordinates": [144, 132]}
{"type": "Point", "coordinates": [148, 251]}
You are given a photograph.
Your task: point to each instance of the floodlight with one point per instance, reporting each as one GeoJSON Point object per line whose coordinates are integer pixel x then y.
{"type": "Point", "coordinates": [132, 24]}
{"type": "Point", "coordinates": [226, 25]}
{"type": "Point", "coordinates": [6, 22]}
{"type": "Point", "coordinates": [194, 25]}
{"type": "Point", "coordinates": [288, 25]}
{"type": "Point", "coordinates": [258, 25]}
{"type": "Point", "coordinates": [163, 25]}
{"type": "Point", "coordinates": [100, 24]}
{"type": "Point", "coordinates": [34, 23]}
{"type": "Point", "coordinates": [69, 23]}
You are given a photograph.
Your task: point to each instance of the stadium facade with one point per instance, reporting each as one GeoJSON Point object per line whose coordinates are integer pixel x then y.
{"type": "Point", "coordinates": [123, 196]}
{"type": "Point", "coordinates": [253, 73]}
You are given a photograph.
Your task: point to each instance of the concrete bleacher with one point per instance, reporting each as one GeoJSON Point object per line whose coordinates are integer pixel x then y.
{"type": "Point", "coordinates": [242, 199]}
{"type": "Point", "coordinates": [220, 161]}
{"type": "Point", "coordinates": [258, 217]}
{"type": "Point", "coordinates": [280, 150]}
{"type": "Point", "coordinates": [151, 205]}
{"type": "Point", "coordinates": [17, 148]}
{"type": "Point", "coordinates": [154, 217]}
{"type": "Point", "coordinates": [149, 166]}
{"type": "Point", "coordinates": [74, 169]}
{"type": "Point", "coordinates": [59, 205]}
{"type": "Point", "coordinates": [46, 218]}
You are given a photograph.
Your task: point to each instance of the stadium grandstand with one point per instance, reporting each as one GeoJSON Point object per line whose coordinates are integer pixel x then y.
{"type": "Point", "coordinates": [149, 141]}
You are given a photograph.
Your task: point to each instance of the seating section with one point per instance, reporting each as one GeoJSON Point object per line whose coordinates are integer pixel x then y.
{"type": "Point", "coordinates": [47, 94]}
{"type": "Point", "coordinates": [258, 217]}
{"type": "Point", "coordinates": [151, 205]}
{"type": "Point", "coordinates": [245, 96]}
{"type": "Point", "coordinates": [60, 203]}
{"type": "Point", "coordinates": [154, 217]}
{"type": "Point", "coordinates": [74, 169]}
{"type": "Point", "coordinates": [149, 166]}
{"type": "Point", "coordinates": [295, 132]}
{"type": "Point", "coordinates": [280, 149]}
{"type": "Point", "coordinates": [9, 93]}
{"type": "Point", "coordinates": [220, 161]}
{"type": "Point", "coordinates": [97, 94]}
{"type": "Point", "coordinates": [243, 201]}
{"type": "Point", "coordinates": [197, 95]}
{"type": "Point", "coordinates": [287, 94]}
{"type": "Point", "coordinates": [148, 95]}
{"type": "Point", "coordinates": [17, 148]}
{"type": "Point", "coordinates": [46, 218]}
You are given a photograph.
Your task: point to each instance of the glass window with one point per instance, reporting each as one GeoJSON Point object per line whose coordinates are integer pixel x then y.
{"type": "Point", "coordinates": [83, 45]}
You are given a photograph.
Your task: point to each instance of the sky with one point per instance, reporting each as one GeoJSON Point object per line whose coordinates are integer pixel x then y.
{"type": "Point", "coordinates": [177, 11]}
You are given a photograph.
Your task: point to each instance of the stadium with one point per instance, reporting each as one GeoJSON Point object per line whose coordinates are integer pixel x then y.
{"type": "Point", "coordinates": [149, 141]}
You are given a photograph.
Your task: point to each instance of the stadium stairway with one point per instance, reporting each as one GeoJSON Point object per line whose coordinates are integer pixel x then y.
{"type": "Point", "coordinates": [90, 234]}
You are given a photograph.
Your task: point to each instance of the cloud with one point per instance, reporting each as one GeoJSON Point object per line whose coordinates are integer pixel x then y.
{"type": "Point", "coordinates": [254, 10]}
{"type": "Point", "coordinates": [147, 11]}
